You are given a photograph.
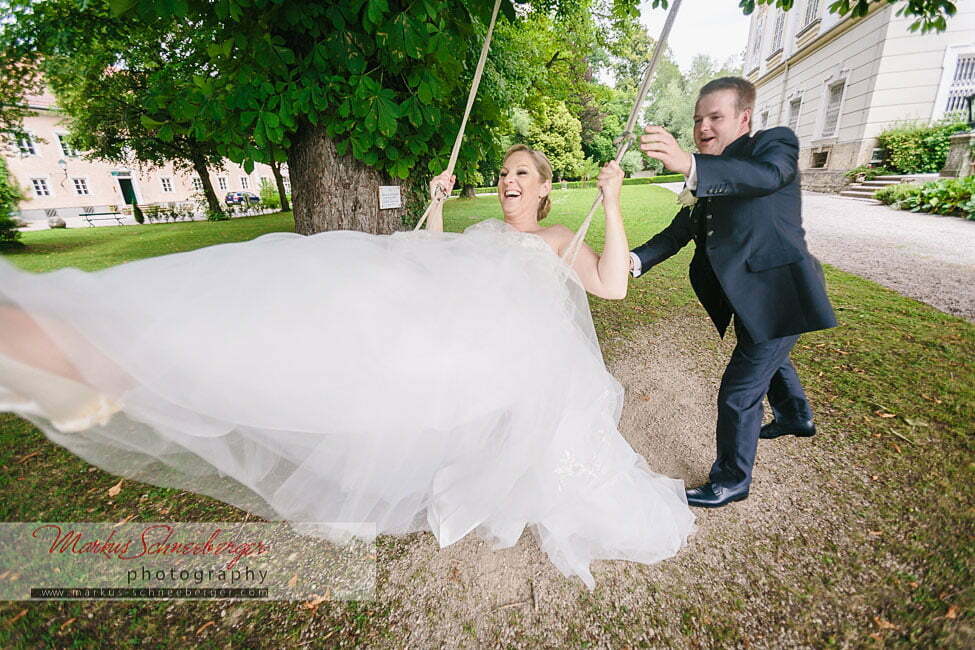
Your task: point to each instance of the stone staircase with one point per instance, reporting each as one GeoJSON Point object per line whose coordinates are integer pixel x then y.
{"type": "Point", "coordinates": [864, 191]}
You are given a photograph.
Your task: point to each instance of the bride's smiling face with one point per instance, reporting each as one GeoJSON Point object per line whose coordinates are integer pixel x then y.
{"type": "Point", "coordinates": [520, 185]}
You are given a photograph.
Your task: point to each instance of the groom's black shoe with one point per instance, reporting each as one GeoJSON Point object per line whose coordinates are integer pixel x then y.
{"type": "Point", "coordinates": [710, 495]}
{"type": "Point", "coordinates": [802, 428]}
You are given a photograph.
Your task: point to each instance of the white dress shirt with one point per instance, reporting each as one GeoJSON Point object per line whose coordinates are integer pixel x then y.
{"type": "Point", "coordinates": [690, 183]}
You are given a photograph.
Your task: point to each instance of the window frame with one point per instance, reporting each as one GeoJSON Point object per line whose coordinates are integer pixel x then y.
{"type": "Point", "coordinates": [164, 181]}
{"type": "Point", "coordinates": [31, 143]}
{"type": "Point", "coordinates": [827, 94]}
{"type": "Point", "coordinates": [48, 186]}
{"type": "Point", "coordinates": [797, 100]}
{"type": "Point", "coordinates": [949, 69]}
{"type": "Point", "coordinates": [84, 182]}
{"type": "Point", "coordinates": [759, 37]}
{"type": "Point", "coordinates": [66, 149]}
{"type": "Point", "coordinates": [778, 32]}
{"type": "Point", "coordinates": [807, 18]}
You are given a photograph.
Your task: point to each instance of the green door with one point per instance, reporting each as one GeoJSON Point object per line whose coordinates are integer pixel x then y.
{"type": "Point", "coordinates": [128, 192]}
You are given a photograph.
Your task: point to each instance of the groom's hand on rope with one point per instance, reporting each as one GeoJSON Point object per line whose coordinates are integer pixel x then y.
{"type": "Point", "coordinates": [658, 143]}
{"type": "Point", "coordinates": [610, 180]}
{"type": "Point", "coordinates": [442, 185]}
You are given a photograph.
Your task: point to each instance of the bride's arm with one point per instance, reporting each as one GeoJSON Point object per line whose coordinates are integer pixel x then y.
{"type": "Point", "coordinates": [606, 275]}
{"type": "Point", "coordinates": [441, 183]}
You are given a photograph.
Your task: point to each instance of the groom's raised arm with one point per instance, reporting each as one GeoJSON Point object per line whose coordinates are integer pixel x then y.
{"type": "Point", "coordinates": [773, 164]}
{"type": "Point", "coordinates": [666, 243]}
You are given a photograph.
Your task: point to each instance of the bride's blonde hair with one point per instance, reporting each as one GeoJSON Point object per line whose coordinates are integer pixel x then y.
{"type": "Point", "coordinates": [544, 168]}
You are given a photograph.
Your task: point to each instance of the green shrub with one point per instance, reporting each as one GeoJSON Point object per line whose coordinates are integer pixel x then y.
{"type": "Point", "coordinates": [10, 196]}
{"type": "Point", "coordinates": [867, 173]}
{"type": "Point", "coordinates": [915, 149]}
{"type": "Point", "coordinates": [269, 195]}
{"type": "Point", "coordinates": [949, 196]}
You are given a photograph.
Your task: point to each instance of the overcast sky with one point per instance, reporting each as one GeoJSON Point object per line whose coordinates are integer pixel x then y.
{"type": "Point", "coordinates": [715, 27]}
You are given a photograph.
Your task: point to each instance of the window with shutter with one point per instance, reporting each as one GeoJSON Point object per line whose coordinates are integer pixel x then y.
{"type": "Point", "coordinates": [778, 31]}
{"type": "Point", "coordinates": [794, 107]}
{"type": "Point", "coordinates": [832, 118]}
{"type": "Point", "coordinates": [812, 12]}
{"type": "Point", "coordinates": [962, 85]}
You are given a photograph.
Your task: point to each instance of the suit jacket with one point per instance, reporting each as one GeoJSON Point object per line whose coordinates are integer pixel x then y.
{"type": "Point", "coordinates": [751, 258]}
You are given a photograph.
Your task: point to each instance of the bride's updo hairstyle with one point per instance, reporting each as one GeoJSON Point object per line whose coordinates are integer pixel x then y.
{"type": "Point", "coordinates": [544, 168]}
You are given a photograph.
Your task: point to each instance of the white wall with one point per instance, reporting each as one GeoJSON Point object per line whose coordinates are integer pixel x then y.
{"type": "Point", "coordinates": [891, 74]}
{"type": "Point", "coordinates": [916, 67]}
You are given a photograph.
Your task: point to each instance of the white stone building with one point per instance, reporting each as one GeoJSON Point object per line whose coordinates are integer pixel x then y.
{"type": "Point", "coordinates": [59, 181]}
{"type": "Point", "coordinates": [838, 82]}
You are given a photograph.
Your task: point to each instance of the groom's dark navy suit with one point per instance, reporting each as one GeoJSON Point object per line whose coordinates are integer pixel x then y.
{"type": "Point", "coordinates": [750, 262]}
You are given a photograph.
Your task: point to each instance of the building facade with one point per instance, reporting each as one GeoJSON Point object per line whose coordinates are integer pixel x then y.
{"type": "Point", "coordinates": [839, 82]}
{"type": "Point", "coordinates": [61, 182]}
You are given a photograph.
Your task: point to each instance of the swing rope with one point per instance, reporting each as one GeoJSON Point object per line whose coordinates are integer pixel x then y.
{"type": "Point", "coordinates": [627, 137]}
{"type": "Point", "coordinates": [570, 254]}
{"type": "Point", "coordinates": [441, 193]}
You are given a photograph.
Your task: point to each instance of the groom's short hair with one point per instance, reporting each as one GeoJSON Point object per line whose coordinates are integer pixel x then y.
{"type": "Point", "coordinates": [744, 91]}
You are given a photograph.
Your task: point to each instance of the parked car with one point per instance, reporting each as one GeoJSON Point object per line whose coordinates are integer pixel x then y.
{"type": "Point", "coordinates": [238, 198]}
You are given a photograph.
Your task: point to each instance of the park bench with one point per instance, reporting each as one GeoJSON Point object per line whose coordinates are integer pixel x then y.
{"type": "Point", "coordinates": [91, 217]}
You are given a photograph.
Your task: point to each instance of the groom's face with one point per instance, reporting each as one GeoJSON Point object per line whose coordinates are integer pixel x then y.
{"type": "Point", "coordinates": [717, 122]}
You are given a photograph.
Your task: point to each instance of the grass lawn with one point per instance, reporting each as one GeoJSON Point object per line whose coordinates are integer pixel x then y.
{"type": "Point", "coordinates": [895, 382]}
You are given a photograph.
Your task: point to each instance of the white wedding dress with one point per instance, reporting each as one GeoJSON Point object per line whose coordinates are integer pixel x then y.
{"type": "Point", "coordinates": [421, 381]}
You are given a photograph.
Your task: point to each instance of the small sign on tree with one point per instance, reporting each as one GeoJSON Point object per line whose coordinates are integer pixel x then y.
{"type": "Point", "coordinates": [389, 197]}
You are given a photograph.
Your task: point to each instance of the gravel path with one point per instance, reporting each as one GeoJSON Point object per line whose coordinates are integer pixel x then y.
{"type": "Point", "coordinates": [926, 257]}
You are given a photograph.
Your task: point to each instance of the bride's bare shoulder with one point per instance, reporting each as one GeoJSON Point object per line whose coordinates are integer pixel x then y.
{"type": "Point", "coordinates": [556, 236]}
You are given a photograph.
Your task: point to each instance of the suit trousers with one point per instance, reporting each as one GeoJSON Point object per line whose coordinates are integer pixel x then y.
{"type": "Point", "coordinates": [754, 371]}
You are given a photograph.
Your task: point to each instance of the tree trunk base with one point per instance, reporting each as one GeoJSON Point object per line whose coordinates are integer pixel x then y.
{"type": "Point", "coordinates": [332, 192]}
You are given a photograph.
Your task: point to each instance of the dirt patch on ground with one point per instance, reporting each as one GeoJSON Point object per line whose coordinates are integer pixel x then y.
{"type": "Point", "coordinates": [468, 594]}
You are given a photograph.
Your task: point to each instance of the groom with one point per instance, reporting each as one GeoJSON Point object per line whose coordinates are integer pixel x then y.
{"type": "Point", "coordinates": [743, 211]}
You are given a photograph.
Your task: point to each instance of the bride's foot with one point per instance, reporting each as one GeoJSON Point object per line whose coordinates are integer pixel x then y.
{"type": "Point", "coordinates": [70, 405]}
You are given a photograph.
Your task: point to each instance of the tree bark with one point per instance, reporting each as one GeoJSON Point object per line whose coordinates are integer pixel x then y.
{"type": "Point", "coordinates": [467, 192]}
{"type": "Point", "coordinates": [279, 181]}
{"type": "Point", "coordinates": [200, 166]}
{"type": "Point", "coordinates": [332, 192]}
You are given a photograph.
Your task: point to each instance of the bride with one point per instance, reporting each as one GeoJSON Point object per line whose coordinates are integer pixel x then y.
{"type": "Point", "coordinates": [419, 381]}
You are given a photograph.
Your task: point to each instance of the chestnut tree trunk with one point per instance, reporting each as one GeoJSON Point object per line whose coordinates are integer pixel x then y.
{"type": "Point", "coordinates": [332, 192]}
{"type": "Point", "coordinates": [200, 167]}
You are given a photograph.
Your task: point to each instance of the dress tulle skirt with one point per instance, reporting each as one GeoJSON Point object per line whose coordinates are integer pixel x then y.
{"type": "Point", "coordinates": [420, 381]}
